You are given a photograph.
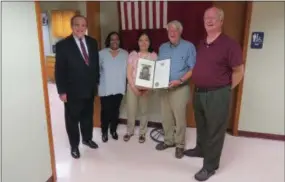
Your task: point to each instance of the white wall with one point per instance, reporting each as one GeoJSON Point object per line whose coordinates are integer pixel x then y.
{"type": "Point", "coordinates": [262, 108]}
{"type": "Point", "coordinates": [25, 148]}
{"type": "Point", "coordinates": [46, 36]}
{"type": "Point", "coordinates": [1, 94]}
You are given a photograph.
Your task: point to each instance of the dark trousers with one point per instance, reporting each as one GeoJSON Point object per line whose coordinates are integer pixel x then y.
{"type": "Point", "coordinates": [79, 111]}
{"type": "Point", "coordinates": [211, 114]}
{"type": "Point", "coordinates": [110, 111]}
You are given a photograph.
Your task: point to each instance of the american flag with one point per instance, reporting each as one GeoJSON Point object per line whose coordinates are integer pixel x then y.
{"type": "Point", "coordinates": [140, 15]}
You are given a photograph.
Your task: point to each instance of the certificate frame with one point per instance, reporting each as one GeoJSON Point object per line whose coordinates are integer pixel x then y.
{"type": "Point", "coordinates": [152, 74]}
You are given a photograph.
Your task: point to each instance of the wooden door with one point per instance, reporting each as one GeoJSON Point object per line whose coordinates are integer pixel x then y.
{"type": "Point", "coordinates": [56, 23]}
{"type": "Point", "coordinates": [66, 18]}
{"type": "Point", "coordinates": [94, 30]}
{"type": "Point", "coordinates": [234, 23]}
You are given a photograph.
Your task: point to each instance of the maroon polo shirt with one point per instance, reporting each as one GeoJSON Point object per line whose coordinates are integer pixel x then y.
{"type": "Point", "coordinates": [214, 62]}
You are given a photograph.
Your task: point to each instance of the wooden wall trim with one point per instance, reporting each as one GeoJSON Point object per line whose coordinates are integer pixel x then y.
{"type": "Point", "coordinates": [268, 136]}
{"type": "Point", "coordinates": [248, 134]}
{"type": "Point", "coordinates": [51, 179]}
{"type": "Point", "coordinates": [45, 89]}
{"type": "Point", "coordinates": [240, 86]}
{"type": "Point", "coordinates": [93, 18]}
{"type": "Point", "coordinates": [94, 30]}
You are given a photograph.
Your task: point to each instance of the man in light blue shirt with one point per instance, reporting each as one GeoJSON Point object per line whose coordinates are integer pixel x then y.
{"type": "Point", "coordinates": [174, 100]}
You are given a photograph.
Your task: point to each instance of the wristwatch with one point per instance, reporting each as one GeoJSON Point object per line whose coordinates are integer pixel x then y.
{"type": "Point", "coordinates": [181, 81]}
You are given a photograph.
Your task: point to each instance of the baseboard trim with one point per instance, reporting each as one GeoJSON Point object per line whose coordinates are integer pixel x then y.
{"type": "Point", "coordinates": [261, 135]}
{"type": "Point", "coordinates": [150, 124]}
{"type": "Point", "coordinates": [50, 179]}
{"type": "Point", "coordinates": [248, 134]}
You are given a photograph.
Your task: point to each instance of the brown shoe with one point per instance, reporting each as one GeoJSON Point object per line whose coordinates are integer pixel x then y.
{"type": "Point", "coordinates": [179, 153]}
{"type": "Point", "coordinates": [163, 146]}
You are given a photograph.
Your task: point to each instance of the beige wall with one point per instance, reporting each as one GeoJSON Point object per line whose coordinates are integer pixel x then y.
{"type": "Point", "coordinates": [262, 108]}
{"type": "Point", "coordinates": [1, 96]}
{"type": "Point", "coordinates": [25, 148]}
{"type": "Point", "coordinates": [109, 19]}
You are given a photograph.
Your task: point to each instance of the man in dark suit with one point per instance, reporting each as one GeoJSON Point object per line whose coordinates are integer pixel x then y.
{"type": "Point", "coordinates": [77, 80]}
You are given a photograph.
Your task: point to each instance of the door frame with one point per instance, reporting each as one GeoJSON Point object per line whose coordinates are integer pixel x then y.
{"type": "Point", "coordinates": [45, 90]}
{"type": "Point", "coordinates": [239, 88]}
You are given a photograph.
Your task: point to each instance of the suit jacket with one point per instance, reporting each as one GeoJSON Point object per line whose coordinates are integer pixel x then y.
{"type": "Point", "coordinates": [72, 75]}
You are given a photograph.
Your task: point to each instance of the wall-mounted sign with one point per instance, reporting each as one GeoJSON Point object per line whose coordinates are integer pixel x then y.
{"type": "Point", "coordinates": [44, 19]}
{"type": "Point", "coordinates": [257, 39]}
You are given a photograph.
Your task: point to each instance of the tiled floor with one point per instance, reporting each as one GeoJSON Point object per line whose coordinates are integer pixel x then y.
{"type": "Point", "coordinates": [243, 160]}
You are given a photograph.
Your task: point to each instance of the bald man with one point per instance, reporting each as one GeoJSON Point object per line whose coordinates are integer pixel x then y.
{"type": "Point", "coordinates": [218, 70]}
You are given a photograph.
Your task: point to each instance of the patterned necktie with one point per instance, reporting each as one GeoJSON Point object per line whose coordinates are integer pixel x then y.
{"type": "Point", "coordinates": [85, 55]}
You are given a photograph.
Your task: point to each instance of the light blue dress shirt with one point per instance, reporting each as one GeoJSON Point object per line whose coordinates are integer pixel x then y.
{"type": "Point", "coordinates": [183, 57]}
{"type": "Point", "coordinates": [113, 72]}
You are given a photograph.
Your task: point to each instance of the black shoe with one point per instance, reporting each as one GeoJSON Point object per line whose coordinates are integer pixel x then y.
{"type": "Point", "coordinates": [179, 153]}
{"type": "Point", "coordinates": [75, 153]}
{"type": "Point", "coordinates": [204, 174]}
{"type": "Point", "coordinates": [105, 137]}
{"type": "Point", "coordinates": [90, 144]}
{"type": "Point", "coordinates": [193, 153]}
{"type": "Point", "coordinates": [163, 146]}
{"type": "Point", "coordinates": [115, 135]}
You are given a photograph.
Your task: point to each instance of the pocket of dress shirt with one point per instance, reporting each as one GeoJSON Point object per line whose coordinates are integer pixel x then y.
{"type": "Point", "coordinates": [164, 56]}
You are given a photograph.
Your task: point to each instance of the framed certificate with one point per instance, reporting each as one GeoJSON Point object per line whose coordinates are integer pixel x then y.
{"type": "Point", "coordinates": [153, 74]}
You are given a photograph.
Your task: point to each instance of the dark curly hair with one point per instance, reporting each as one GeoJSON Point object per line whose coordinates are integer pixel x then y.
{"type": "Point", "coordinates": [150, 49]}
{"type": "Point", "coordinates": [108, 39]}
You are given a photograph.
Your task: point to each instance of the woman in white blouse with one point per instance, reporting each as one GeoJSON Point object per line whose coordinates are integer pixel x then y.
{"type": "Point", "coordinates": [112, 87]}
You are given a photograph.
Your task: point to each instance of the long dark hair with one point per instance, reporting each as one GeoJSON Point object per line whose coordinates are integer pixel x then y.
{"type": "Point", "coordinates": [108, 39]}
{"type": "Point", "coordinates": [150, 49]}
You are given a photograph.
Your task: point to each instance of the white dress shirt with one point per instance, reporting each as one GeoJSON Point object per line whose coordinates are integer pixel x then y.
{"type": "Point", "coordinates": [84, 43]}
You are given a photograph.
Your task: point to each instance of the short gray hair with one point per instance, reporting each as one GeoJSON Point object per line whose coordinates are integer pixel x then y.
{"type": "Point", "coordinates": [220, 12]}
{"type": "Point", "coordinates": [177, 24]}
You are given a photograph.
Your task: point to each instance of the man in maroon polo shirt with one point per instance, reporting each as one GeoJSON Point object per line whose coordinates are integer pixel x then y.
{"type": "Point", "coordinates": [218, 70]}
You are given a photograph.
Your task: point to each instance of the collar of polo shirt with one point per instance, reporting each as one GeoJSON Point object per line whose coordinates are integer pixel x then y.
{"type": "Point", "coordinates": [214, 41]}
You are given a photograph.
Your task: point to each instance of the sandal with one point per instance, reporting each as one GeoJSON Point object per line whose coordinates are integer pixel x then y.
{"type": "Point", "coordinates": [127, 137]}
{"type": "Point", "coordinates": [142, 139]}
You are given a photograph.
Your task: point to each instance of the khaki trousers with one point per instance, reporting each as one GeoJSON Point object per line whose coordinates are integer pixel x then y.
{"type": "Point", "coordinates": [134, 103]}
{"type": "Point", "coordinates": [173, 109]}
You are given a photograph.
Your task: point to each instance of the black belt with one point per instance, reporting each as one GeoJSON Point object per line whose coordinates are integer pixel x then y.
{"type": "Point", "coordinates": [199, 89]}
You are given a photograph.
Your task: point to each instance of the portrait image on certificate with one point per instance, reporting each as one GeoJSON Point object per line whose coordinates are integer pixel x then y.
{"type": "Point", "coordinates": [153, 74]}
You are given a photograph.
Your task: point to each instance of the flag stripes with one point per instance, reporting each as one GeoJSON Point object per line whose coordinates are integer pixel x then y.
{"type": "Point", "coordinates": [138, 15]}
